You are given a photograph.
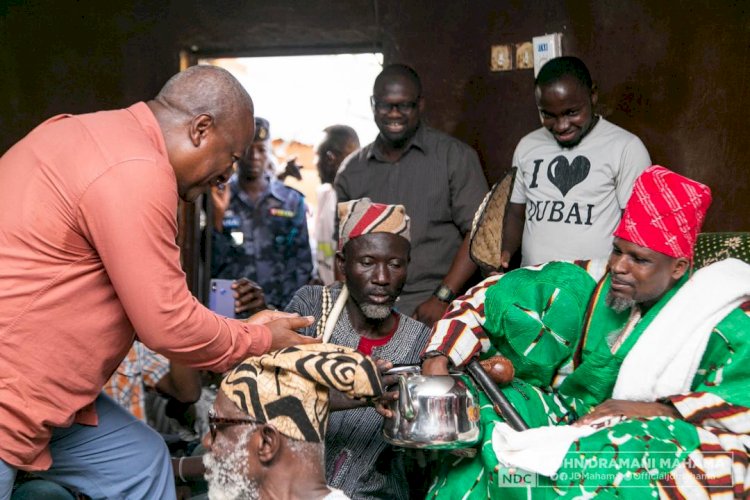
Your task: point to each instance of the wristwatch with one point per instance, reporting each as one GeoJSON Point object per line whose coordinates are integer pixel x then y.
{"type": "Point", "coordinates": [444, 294]}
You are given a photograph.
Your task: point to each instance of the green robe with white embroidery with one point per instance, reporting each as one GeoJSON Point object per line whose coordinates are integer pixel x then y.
{"type": "Point", "coordinates": [705, 452]}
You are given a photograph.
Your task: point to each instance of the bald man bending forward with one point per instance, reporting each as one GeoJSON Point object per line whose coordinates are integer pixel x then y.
{"type": "Point", "coordinates": [88, 257]}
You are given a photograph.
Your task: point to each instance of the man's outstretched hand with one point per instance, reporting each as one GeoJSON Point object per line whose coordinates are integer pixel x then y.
{"type": "Point", "coordinates": [338, 401]}
{"type": "Point", "coordinates": [283, 326]}
{"type": "Point", "coordinates": [381, 404]}
{"type": "Point", "coordinates": [435, 365]}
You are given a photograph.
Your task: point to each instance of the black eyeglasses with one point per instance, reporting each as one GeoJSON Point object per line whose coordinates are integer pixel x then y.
{"type": "Point", "coordinates": [386, 107]}
{"type": "Point", "coordinates": [214, 422]}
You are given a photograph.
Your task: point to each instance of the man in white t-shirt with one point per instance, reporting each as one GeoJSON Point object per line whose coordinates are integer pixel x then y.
{"type": "Point", "coordinates": [574, 176]}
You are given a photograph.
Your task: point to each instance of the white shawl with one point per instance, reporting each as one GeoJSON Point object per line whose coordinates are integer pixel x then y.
{"type": "Point", "coordinates": [665, 358]}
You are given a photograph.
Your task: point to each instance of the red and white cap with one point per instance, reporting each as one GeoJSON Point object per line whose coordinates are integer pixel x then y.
{"type": "Point", "coordinates": [665, 212]}
{"type": "Point", "coordinates": [358, 217]}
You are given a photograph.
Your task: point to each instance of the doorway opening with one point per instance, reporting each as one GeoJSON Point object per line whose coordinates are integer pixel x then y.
{"type": "Point", "coordinates": [302, 95]}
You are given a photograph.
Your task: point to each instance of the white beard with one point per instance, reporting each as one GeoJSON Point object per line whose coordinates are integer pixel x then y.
{"type": "Point", "coordinates": [227, 478]}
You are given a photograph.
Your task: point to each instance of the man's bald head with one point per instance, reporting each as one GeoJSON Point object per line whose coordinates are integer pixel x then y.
{"type": "Point", "coordinates": [206, 119]}
{"type": "Point", "coordinates": [206, 89]}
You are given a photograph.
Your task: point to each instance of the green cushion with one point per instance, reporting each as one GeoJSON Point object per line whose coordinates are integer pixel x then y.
{"type": "Point", "coordinates": [713, 247]}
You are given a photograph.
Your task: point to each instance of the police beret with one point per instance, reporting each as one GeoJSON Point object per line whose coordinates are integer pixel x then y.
{"type": "Point", "coordinates": [262, 129]}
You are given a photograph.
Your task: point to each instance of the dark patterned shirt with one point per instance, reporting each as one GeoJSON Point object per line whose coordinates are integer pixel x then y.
{"type": "Point", "coordinates": [440, 182]}
{"type": "Point", "coordinates": [275, 249]}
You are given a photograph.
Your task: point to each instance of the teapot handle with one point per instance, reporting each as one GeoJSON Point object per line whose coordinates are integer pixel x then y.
{"type": "Point", "coordinates": [405, 406]}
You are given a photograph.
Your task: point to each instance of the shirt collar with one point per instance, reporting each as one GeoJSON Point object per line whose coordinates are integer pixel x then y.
{"type": "Point", "coordinates": [145, 117]}
{"type": "Point", "coordinates": [418, 142]}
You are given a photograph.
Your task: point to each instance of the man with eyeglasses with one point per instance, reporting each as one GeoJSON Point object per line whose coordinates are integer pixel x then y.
{"type": "Point", "coordinates": [268, 423]}
{"type": "Point", "coordinates": [436, 177]}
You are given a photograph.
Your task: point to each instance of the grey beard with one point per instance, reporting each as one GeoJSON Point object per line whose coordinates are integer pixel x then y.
{"type": "Point", "coordinates": [375, 311]}
{"type": "Point", "coordinates": [618, 304]}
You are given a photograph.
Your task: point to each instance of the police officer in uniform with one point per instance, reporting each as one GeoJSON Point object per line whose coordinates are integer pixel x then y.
{"type": "Point", "coordinates": [260, 229]}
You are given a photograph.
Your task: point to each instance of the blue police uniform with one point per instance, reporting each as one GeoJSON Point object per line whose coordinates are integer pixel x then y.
{"type": "Point", "coordinates": [265, 241]}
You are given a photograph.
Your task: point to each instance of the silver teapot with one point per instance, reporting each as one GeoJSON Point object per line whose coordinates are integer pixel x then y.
{"type": "Point", "coordinates": [434, 412]}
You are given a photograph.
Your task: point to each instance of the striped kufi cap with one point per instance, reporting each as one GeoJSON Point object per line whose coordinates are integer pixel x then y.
{"type": "Point", "coordinates": [359, 217]}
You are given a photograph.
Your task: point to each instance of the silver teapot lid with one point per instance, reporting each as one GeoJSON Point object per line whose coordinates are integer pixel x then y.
{"type": "Point", "coordinates": [404, 369]}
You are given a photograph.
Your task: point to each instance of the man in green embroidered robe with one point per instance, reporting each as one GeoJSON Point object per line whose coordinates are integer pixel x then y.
{"type": "Point", "coordinates": [650, 400]}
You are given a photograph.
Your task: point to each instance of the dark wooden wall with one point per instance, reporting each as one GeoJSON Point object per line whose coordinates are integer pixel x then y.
{"type": "Point", "coordinates": [673, 72]}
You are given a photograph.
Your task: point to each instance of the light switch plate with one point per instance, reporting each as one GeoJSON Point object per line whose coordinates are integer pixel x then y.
{"type": "Point", "coordinates": [545, 48]}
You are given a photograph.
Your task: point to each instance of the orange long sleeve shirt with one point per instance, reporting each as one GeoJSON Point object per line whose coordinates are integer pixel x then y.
{"type": "Point", "coordinates": [88, 221]}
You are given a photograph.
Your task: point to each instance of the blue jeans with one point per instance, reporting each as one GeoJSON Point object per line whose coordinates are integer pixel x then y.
{"type": "Point", "coordinates": [120, 458]}
{"type": "Point", "coordinates": [41, 488]}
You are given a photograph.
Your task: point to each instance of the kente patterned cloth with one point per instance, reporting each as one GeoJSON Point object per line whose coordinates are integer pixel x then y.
{"type": "Point", "coordinates": [289, 388]}
{"type": "Point", "coordinates": [362, 216]}
{"type": "Point", "coordinates": [142, 368]}
{"type": "Point", "coordinates": [702, 454]}
{"type": "Point", "coordinates": [665, 212]}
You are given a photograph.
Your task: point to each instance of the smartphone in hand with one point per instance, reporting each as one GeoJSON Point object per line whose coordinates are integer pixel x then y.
{"type": "Point", "coordinates": [221, 297]}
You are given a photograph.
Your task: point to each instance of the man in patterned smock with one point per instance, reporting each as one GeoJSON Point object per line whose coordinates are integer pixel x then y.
{"type": "Point", "coordinates": [651, 403]}
{"type": "Point", "coordinates": [260, 229]}
{"type": "Point", "coordinates": [373, 256]}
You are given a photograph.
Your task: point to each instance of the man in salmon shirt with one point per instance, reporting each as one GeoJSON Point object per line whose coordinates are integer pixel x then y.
{"type": "Point", "coordinates": [88, 221]}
